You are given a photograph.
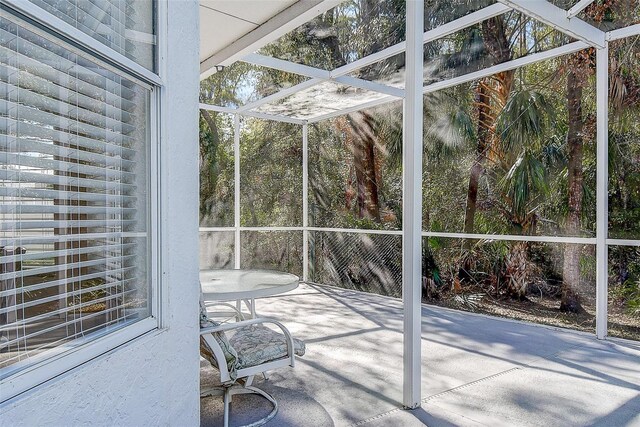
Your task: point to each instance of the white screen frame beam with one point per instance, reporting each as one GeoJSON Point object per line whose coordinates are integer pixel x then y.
{"type": "Point", "coordinates": [547, 13]}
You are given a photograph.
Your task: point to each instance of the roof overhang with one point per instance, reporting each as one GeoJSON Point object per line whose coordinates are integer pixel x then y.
{"type": "Point", "coordinates": [230, 30]}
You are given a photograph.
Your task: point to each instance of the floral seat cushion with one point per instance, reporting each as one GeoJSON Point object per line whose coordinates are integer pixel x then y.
{"type": "Point", "coordinates": [230, 354]}
{"type": "Point", "coordinates": [257, 344]}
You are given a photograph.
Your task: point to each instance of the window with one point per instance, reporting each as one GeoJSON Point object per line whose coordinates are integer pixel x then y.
{"type": "Point", "coordinates": [76, 155]}
{"type": "Point", "coordinates": [123, 25]}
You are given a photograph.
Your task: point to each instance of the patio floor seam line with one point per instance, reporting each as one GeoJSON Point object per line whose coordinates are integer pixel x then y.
{"type": "Point", "coordinates": [376, 417]}
{"type": "Point", "coordinates": [470, 384]}
{"type": "Point", "coordinates": [435, 396]}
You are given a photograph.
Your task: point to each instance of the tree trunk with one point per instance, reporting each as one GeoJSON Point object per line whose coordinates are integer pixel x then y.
{"type": "Point", "coordinates": [492, 95]}
{"type": "Point", "coordinates": [483, 101]}
{"type": "Point", "coordinates": [364, 156]}
{"type": "Point", "coordinates": [571, 269]}
{"type": "Point", "coordinates": [358, 162]}
{"type": "Point", "coordinates": [208, 178]}
{"type": "Point", "coordinates": [360, 137]}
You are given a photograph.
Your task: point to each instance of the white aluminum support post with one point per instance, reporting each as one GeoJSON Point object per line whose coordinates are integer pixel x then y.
{"type": "Point", "coordinates": [305, 202]}
{"type": "Point", "coordinates": [236, 190]}
{"type": "Point", "coordinates": [412, 205]}
{"type": "Point", "coordinates": [602, 193]}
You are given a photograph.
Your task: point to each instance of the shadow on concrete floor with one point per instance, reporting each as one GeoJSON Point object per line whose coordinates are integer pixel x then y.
{"type": "Point", "coordinates": [476, 370]}
{"type": "Point", "coordinates": [294, 409]}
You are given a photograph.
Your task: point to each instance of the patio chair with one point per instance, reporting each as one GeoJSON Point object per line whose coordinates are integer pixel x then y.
{"type": "Point", "coordinates": [252, 349]}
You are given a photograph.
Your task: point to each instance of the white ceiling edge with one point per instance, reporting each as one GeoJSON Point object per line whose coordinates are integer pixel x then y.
{"type": "Point", "coordinates": [275, 27]}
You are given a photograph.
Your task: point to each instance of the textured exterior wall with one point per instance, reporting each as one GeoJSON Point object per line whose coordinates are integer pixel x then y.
{"type": "Point", "coordinates": [153, 380]}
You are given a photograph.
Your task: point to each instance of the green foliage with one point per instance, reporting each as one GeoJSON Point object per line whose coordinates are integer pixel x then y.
{"type": "Point", "coordinates": [216, 171]}
{"type": "Point", "coordinates": [524, 120]}
{"type": "Point", "coordinates": [449, 128]}
{"type": "Point", "coordinates": [525, 182]}
{"type": "Point", "coordinates": [270, 173]}
{"type": "Point", "coordinates": [624, 167]}
{"type": "Point", "coordinates": [624, 279]}
{"type": "Point", "coordinates": [430, 268]}
{"type": "Point", "coordinates": [628, 295]}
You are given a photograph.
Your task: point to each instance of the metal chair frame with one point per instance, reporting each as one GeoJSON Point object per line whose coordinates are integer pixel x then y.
{"type": "Point", "coordinates": [244, 377]}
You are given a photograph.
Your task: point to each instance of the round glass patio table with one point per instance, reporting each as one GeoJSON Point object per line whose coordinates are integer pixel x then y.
{"type": "Point", "coordinates": [245, 285]}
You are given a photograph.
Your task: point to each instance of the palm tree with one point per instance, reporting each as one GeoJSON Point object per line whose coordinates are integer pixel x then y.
{"type": "Point", "coordinates": [579, 70]}
{"type": "Point", "coordinates": [492, 94]}
{"type": "Point", "coordinates": [625, 89]}
{"type": "Point", "coordinates": [522, 128]}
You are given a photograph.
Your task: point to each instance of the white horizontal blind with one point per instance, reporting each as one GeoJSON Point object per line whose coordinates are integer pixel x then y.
{"type": "Point", "coordinates": [126, 26]}
{"type": "Point", "coordinates": [74, 143]}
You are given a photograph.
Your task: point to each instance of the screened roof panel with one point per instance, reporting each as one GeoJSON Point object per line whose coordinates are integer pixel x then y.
{"type": "Point", "coordinates": [465, 51]}
{"type": "Point", "coordinates": [321, 99]}
{"type": "Point", "coordinates": [242, 83]}
{"type": "Point", "coordinates": [438, 12]}
{"type": "Point", "coordinates": [612, 15]}
{"type": "Point", "coordinates": [346, 33]}
{"type": "Point", "coordinates": [389, 71]}
{"type": "Point", "coordinates": [564, 4]}
{"type": "Point", "coordinates": [512, 36]}
{"type": "Point", "coordinates": [607, 15]}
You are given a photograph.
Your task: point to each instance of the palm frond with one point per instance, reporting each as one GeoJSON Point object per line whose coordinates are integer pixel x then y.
{"type": "Point", "coordinates": [523, 119]}
{"type": "Point", "coordinates": [526, 179]}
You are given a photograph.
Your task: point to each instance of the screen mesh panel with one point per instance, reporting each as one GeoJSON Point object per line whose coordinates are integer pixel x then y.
{"type": "Point", "coordinates": [532, 281]}
{"type": "Point", "coordinates": [365, 262]}
{"type": "Point", "coordinates": [216, 249]}
{"type": "Point", "coordinates": [270, 174]}
{"type": "Point", "coordinates": [216, 169]}
{"type": "Point", "coordinates": [624, 292]}
{"type": "Point", "coordinates": [272, 250]}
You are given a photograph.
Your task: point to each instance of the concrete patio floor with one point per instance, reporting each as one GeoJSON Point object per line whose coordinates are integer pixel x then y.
{"type": "Point", "coordinates": [477, 370]}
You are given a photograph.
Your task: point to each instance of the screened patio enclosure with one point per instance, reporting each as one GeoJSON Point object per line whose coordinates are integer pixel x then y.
{"type": "Point", "coordinates": [478, 155]}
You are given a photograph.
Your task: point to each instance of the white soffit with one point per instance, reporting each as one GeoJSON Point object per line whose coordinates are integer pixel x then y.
{"type": "Point", "coordinates": [224, 21]}
{"type": "Point", "coordinates": [218, 30]}
{"type": "Point", "coordinates": [231, 29]}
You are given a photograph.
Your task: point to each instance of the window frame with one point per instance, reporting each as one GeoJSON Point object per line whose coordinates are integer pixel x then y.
{"type": "Point", "coordinates": [63, 358]}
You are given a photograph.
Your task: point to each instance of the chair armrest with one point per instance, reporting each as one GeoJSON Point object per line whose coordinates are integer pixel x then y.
{"type": "Point", "coordinates": [259, 320]}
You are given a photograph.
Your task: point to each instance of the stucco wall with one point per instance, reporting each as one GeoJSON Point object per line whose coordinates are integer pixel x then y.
{"type": "Point", "coordinates": [152, 380]}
